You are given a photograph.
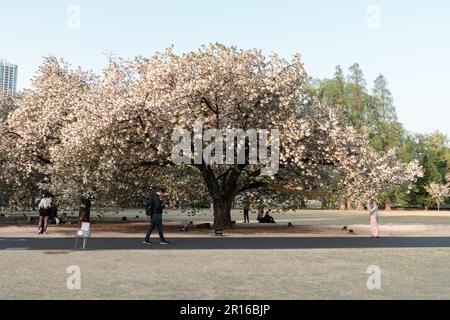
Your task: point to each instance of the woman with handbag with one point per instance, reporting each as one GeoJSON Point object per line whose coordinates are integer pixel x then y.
{"type": "Point", "coordinates": [45, 211]}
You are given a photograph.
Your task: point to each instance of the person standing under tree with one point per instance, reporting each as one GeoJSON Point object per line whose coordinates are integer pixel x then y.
{"type": "Point", "coordinates": [246, 208]}
{"type": "Point", "coordinates": [373, 218]}
{"type": "Point", "coordinates": [154, 209]}
{"type": "Point", "coordinates": [260, 209]}
{"type": "Point", "coordinates": [45, 211]}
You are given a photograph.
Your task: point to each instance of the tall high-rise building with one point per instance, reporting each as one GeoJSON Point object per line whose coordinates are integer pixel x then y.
{"type": "Point", "coordinates": [8, 77]}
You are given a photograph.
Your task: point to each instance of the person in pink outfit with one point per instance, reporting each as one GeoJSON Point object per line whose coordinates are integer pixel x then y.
{"type": "Point", "coordinates": [373, 217]}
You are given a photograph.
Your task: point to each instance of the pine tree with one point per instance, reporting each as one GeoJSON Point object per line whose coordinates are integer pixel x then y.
{"type": "Point", "coordinates": [356, 76]}
{"type": "Point", "coordinates": [339, 83]}
{"type": "Point", "coordinates": [357, 99]}
{"type": "Point", "coordinates": [384, 100]}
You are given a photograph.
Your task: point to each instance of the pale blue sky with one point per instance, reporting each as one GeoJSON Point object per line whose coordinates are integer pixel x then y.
{"type": "Point", "coordinates": [411, 47]}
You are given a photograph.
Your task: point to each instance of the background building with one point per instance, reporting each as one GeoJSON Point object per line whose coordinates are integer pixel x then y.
{"type": "Point", "coordinates": [8, 77]}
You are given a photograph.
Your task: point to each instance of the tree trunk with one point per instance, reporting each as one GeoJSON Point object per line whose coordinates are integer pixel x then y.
{"type": "Point", "coordinates": [360, 206]}
{"type": "Point", "coordinates": [222, 195]}
{"type": "Point", "coordinates": [349, 205]}
{"type": "Point", "coordinates": [388, 203]}
{"type": "Point", "coordinates": [222, 214]}
{"type": "Point", "coordinates": [302, 203]}
{"type": "Point", "coordinates": [33, 202]}
{"type": "Point", "coordinates": [84, 214]}
{"type": "Point", "coordinates": [343, 205]}
{"type": "Point", "coordinates": [324, 203]}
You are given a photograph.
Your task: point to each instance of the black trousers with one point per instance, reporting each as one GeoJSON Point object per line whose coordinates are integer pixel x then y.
{"type": "Point", "coordinates": [246, 219]}
{"type": "Point", "coordinates": [156, 223]}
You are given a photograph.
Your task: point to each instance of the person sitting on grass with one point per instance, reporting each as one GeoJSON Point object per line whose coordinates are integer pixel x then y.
{"type": "Point", "coordinates": [267, 218]}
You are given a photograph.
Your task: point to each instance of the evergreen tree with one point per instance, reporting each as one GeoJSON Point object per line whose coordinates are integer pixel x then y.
{"type": "Point", "coordinates": [339, 86]}
{"type": "Point", "coordinates": [384, 100]}
{"type": "Point", "coordinates": [357, 95]}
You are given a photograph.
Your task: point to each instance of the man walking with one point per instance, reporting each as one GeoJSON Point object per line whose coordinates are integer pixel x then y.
{"type": "Point", "coordinates": [154, 209]}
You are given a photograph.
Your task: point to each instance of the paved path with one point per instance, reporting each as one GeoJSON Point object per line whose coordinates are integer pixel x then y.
{"type": "Point", "coordinates": [219, 243]}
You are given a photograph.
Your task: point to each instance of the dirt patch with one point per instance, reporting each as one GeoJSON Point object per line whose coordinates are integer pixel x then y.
{"type": "Point", "coordinates": [121, 229]}
{"type": "Point", "coordinates": [309, 225]}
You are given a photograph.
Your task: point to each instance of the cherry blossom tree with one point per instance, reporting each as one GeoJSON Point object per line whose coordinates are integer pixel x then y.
{"type": "Point", "coordinates": [7, 105]}
{"type": "Point", "coordinates": [34, 128]}
{"type": "Point", "coordinates": [104, 139]}
{"type": "Point", "coordinates": [142, 102]}
{"type": "Point", "coordinates": [438, 192]}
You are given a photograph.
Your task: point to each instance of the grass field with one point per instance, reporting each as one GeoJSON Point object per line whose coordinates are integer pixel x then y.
{"type": "Point", "coordinates": [227, 274]}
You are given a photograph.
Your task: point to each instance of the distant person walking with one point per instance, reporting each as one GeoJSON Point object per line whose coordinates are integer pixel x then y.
{"type": "Point", "coordinates": [246, 208]}
{"type": "Point", "coordinates": [45, 211]}
{"type": "Point", "coordinates": [154, 209]}
{"type": "Point", "coordinates": [373, 218]}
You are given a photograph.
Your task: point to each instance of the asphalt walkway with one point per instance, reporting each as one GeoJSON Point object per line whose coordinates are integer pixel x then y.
{"type": "Point", "coordinates": [222, 243]}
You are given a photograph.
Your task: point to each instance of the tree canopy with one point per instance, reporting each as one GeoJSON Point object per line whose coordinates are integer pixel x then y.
{"type": "Point", "coordinates": [108, 138]}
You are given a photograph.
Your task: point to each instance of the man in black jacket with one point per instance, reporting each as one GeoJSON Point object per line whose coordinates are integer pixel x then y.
{"type": "Point", "coordinates": [154, 209]}
{"type": "Point", "coordinates": [246, 208]}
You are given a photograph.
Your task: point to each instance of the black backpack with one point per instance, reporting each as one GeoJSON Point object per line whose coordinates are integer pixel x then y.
{"type": "Point", "coordinates": [148, 206]}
